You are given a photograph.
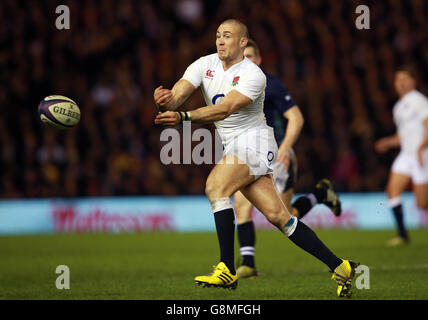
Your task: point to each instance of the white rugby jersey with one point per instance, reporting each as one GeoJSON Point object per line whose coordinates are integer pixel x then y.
{"type": "Point", "coordinates": [409, 114]}
{"type": "Point", "coordinates": [245, 77]}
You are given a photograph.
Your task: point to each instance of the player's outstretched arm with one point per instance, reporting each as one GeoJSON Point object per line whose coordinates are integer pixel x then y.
{"type": "Point", "coordinates": [231, 103]}
{"type": "Point", "coordinates": [292, 132]}
{"type": "Point", "coordinates": [384, 144]}
{"type": "Point", "coordinates": [166, 99]}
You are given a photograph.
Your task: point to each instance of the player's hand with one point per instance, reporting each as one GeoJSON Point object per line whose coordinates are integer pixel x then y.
{"type": "Point", "coordinates": [420, 155]}
{"type": "Point", "coordinates": [162, 96]}
{"type": "Point", "coordinates": [283, 157]}
{"type": "Point", "coordinates": [382, 145]}
{"type": "Point", "coordinates": [168, 118]}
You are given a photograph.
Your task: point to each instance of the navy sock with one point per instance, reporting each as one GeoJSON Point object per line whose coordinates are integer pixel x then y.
{"type": "Point", "coordinates": [305, 238]}
{"type": "Point", "coordinates": [303, 205]}
{"type": "Point", "coordinates": [224, 223]}
{"type": "Point", "coordinates": [398, 215]}
{"type": "Point", "coordinates": [247, 241]}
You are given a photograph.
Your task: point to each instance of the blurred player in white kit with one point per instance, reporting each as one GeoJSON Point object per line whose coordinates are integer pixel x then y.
{"type": "Point", "coordinates": [411, 165]}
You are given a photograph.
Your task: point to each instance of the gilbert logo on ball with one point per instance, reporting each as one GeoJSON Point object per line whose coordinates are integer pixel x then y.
{"type": "Point", "coordinates": [59, 112]}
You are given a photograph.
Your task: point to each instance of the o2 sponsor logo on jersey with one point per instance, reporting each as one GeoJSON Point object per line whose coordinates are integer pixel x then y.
{"type": "Point", "coordinates": [218, 97]}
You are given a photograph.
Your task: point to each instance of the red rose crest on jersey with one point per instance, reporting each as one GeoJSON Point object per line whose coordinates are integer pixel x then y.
{"type": "Point", "coordinates": [235, 81]}
{"type": "Point", "coordinates": [209, 74]}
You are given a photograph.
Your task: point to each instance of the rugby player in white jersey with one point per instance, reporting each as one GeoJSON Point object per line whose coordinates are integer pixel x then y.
{"type": "Point", "coordinates": [233, 88]}
{"type": "Point", "coordinates": [411, 165]}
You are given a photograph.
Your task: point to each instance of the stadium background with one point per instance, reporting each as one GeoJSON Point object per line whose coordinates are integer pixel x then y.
{"type": "Point", "coordinates": [117, 52]}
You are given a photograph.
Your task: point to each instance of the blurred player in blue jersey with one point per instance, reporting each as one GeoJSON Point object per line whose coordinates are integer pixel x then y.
{"type": "Point", "coordinates": [284, 116]}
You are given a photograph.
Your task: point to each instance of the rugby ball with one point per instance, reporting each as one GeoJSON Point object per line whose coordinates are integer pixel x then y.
{"type": "Point", "coordinates": [59, 112]}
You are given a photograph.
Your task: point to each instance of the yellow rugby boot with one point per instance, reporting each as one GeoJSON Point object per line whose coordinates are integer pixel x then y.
{"type": "Point", "coordinates": [221, 277]}
{"type": "Point", "coordinates": [343, 275]}
{"type": "Point", "coordinates": [397, 241]}
{"type": "Point", "coordinates": [246, 272]}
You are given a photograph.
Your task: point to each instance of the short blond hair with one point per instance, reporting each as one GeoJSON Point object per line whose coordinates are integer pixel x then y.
{"type": "Point", "coordinates": [243, 30]}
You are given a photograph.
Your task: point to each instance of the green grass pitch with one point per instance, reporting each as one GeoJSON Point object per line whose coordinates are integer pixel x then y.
{"type": "Point", "coordinates": [163, 265]}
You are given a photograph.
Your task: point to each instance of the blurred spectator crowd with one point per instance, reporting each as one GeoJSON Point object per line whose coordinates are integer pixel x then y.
{"type": "Point", "coordinates": [117, 52]}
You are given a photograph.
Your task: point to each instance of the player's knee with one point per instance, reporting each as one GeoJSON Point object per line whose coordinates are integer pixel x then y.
{"type": "Point", "coordinates": [388, 190]}
{"type": "Point", "coordinates": [215, 189]}
{"type": "Point", "coordinates": [209, 188]}
{"type": "Point", "coordinates": [391, 191]}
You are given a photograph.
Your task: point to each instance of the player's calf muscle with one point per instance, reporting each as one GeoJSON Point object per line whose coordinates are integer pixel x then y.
{"type": "Point", "coordinates": [422, 203]}
{"type": "Point", "coordinates": [421, 193]}
{"type": "Point", "coordinates": [277, 216]}
{"type": "Point", "coordinates": [243, 211]}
